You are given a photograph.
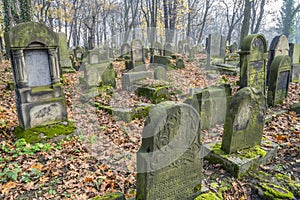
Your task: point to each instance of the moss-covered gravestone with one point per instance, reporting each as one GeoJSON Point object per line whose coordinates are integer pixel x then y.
{"type": "Point", "coordinates": [244, 121]}
{"type": "Point", "coordinates": [34, 54]}
{"type": "Point", "coordinates": [253, 70]}
{"type": "Point", "coordinates": [279, 80]}
{"type": "Point", "coordinates": [168, 163]}
{"type": "Point", "coordinates": [279, 46]}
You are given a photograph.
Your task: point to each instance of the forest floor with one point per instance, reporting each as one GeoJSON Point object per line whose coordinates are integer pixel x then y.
{"type": "Point", "coordinates": [101, 156]}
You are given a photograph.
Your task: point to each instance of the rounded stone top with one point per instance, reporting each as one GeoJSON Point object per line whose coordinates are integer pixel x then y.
{"type": "Point", "coordinates": [24, 34]}
{"type": "Point", "coordinates": [255, 42]}
{"type": "Point", "coordinates": [281, 61]}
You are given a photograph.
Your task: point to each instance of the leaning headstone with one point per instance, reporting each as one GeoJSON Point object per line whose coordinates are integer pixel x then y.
{"type": "Point", "coordinates": [253, 70]}
{"type": "Point", "coordinates": [34, 55]}
{"type": "Point", "coordinates": [64, 57]}
{"type": "Point", "coordinates": [279, 80]}
{"type": "Point", "coordinates": [169, 165]}
{"type": "Point", "coordinates": [244, 121]}
{"type": "Point", "coordinates": [279, 46]}
{"type": "Point", "coordinates": [160, 73]}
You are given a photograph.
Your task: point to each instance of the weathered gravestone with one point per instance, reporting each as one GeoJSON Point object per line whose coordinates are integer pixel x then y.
{"type": "Point", "coordinates": [279, 46]}
{"type": "Point", "coordinates": [137, 54]}
{"type": "Point", "coordinates": [253, 70]}
{"type": "Point", "coordinates": [279, 80]}
{"type": "Point", "coordinates": [64, 57]}
{"type": "Point", "coordinates": [94, 56]}
{"type": "Point", "coordinates": [214, 44]}
{"type": "Point", "coordinates": [129, 79]}
{"type": "Point", "coordinates": [125, 50]}
{"type": "Point", "coordinates": [211, 103]}
{"type": "Point", "coordinates": [168, 49]}
{"type": "Point", "coordinates": [295, 56]}
{"type": "Point", "coordinates": [244, 121]}
{"type": "Point", "coordinates": [39, 94]}
{"type": "Point", "coordinates": [169, 165]}
{"type": "Point", "coordinates": [160, 73]}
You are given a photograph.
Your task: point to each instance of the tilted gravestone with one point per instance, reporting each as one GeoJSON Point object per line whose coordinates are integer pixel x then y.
{"type": "Point", "coordinates": [279, 80]}
{"type": "Point", "coordinates": [253, 70]}
{"type": "Point", "coordinates": [169, 165]}
{"type": "Point", "coordinates": [279, 46]}
{"type": "Point", "coordinates": [39, 94]}
{"type": "Point", "coordinates": [295, 55]}
{"type": "Point", "coordinates": [244, 121]}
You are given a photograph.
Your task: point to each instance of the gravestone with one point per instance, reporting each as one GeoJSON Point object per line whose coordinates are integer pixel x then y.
{"type": "Point", "coordinates": [295, 56]}
{"type": "Point", "coordinates": [180, 63]}
{"type": "Point", "coordinates": [253, 70]}
{"type": "Point", "coordinates": [244, 121]}
{"type": "Point", "coordinates": [279, 80]}
{"type": "Point", "coordinates": [169, 165]}
{"type": "Point", "coordinates": [223, 46]}
{"type": "Point", "coordinates": [214, 44]}
{"type": "Point", "coordinates": [182, 46]}
{"type": "Point", "coordinates": [64, 57]}
{"type": "Point", "coordinates": [125, 50]}
{"type": "Point", "coordinates": [212, 105]}
{"type": "Point", "coordinates": [160, 73]}
{"type": "Point", "coordinates": [128, 79]}
{"type": "Point", "coordinates": [39, 94]}
{"type": "Point", "coordinates": [158, 49]}
{"type": "Point", "coordinates": [137, 53]}
{"type": "Point", "coordinates": [94, 56]}
{"type": "Point", "coordinates": [168, 49]}
{"type": "Point", "coordinates": [279, 46]}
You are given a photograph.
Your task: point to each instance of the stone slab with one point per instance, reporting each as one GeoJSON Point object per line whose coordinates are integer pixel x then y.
{"type": "Point", "coordinates": [238, 164]}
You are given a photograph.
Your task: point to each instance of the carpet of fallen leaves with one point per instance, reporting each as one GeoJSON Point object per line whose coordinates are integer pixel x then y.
{"type": "Point", "coordinates": [101, 155]}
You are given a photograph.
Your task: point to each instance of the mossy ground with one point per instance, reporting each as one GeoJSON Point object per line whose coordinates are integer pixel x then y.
{"type": "Point", "coordinates": [44, 133]}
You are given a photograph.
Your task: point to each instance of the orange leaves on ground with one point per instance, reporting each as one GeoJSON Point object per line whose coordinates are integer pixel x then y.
{"type": "Point", "coordinates": [5, 189]}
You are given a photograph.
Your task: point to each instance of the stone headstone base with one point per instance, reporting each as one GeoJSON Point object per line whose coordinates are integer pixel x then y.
{"type": "Point", "coordinates": [237, 164]}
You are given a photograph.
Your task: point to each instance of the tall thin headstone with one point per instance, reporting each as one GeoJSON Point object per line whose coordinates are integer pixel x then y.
{"type": "Point", "coordinates": [253, 70]}
{"type": "Point", "coordinates": [168, 163]}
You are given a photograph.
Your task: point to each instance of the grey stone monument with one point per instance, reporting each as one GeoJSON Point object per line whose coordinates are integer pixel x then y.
{"type": "Point", "coordinates": [168, 163]}
{"type": "Point", "coordinates": [279, 80]}
{"type": "Point", "coordinates": [34, 53]}
{"type": "Point", "coordinates": [253, 70]}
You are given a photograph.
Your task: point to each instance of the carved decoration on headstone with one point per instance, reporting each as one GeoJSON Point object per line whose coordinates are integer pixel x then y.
{"type": "Point", "coordinates": [34, 54]}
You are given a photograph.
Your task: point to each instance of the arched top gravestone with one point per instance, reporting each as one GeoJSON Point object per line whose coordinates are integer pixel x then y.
{"type": "Point", "coordinates": [279, 79]}
{"type": "Point", "coordinates": [279, 46]}
{"type": "Point", "coordinates": [253, 62]}
{"type": "Point", "coordinates": [24, 34]}
{"type": "Point", "coordinates": [168, 163]}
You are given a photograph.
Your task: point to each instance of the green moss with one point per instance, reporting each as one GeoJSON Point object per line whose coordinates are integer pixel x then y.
{"type": "Point", "coordinates": [41, 89]}
{"type": "Point", "coordinates": [110, 196]}
{"type": "Point", "coordinates": [295, 188]}
{"type": "Point", "coordinates": [206, 196]}
{"type": "Point", "coordinates": [282, 177]}
{"type": "Point", "coordinates": [44, 133]}
{"type": "Point", "coordinates": [272, 191]}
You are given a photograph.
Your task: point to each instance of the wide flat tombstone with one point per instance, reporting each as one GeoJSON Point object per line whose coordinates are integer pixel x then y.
{"type": "Point", "coordinates": [279, 46]}
{"type": "Point", "coordinates": [39, 95]}
{"type": "Point", "coordinates": [279, 80]}
{"type": "Point", "coordinates": [253, 70]}
{"type": "Point", "coordinates": [244, 121]}
{"type": "Point", "coordinates": [168, 163]}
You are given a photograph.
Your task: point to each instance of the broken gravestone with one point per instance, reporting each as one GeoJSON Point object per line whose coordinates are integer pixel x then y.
{"type": "Point", "coordinates": [168, 163]}
{"type": "Point", "coordinates": [253, 70]}
{"type": "Point", "coordinates": [279, 80]}
{"type": "Point", "coordinates": [39, 94]}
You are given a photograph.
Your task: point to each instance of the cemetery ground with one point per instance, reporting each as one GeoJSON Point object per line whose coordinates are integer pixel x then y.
{"type": "Point", "coordinates": [100, 158]}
